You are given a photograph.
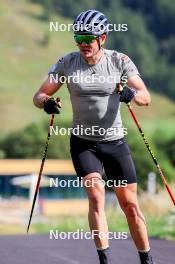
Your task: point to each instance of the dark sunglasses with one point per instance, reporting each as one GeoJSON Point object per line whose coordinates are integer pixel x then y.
{"type": "Point", "coordinates": [88, 39]}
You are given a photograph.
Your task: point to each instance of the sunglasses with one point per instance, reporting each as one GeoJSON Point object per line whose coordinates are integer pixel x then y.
{"type": "Point", "coordinates": [88, 39]}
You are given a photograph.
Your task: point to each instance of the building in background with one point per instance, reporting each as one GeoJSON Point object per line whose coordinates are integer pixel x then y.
{"type": "Point", "coordinates": [59, 171]}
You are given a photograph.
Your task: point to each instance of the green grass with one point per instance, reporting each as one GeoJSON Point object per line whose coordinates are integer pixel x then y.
{"type": "Point", "coordinates": [157, 209]}
{"type": "Point", "coordinates": [27, 62]}
{"type": "Point", "coordinates": [160, 227]}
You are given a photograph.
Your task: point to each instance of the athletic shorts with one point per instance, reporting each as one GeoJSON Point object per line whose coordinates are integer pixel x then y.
{"type": "Point", "coordinates": [112, 157]}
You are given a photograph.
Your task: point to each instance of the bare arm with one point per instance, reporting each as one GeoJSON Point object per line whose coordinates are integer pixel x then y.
{"type": "Point", "coordinates": [142, 97]}
{"type": "Point", "coordinates": [46, 90]}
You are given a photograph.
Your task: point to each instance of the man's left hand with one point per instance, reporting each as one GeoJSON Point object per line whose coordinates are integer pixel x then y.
{"type": "Point", "coordinates": [127, 94]}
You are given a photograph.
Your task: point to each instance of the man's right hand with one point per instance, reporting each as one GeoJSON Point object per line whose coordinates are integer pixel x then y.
{"type": "Point", "coordinates": [51, 105]}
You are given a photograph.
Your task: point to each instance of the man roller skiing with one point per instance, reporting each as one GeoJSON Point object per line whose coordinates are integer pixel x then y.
{"type": "Point", "coordinates": [97, 104]}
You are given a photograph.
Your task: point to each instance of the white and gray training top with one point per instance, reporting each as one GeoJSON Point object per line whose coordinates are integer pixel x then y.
{"type": "Point", "coordinates": [92, 88]}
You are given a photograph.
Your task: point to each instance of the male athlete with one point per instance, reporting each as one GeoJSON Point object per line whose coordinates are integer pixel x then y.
{"type": "Point", "coordinates": [96, 104]}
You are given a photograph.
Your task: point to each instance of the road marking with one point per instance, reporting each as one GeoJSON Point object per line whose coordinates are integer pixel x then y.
{"type": "Point", "coordinates": [69, 261]}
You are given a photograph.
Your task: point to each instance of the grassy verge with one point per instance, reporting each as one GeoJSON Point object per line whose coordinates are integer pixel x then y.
{"type": "Point", "coordinates": [159, 227]}
{"type": "Point", "coordinates": [158, 211]}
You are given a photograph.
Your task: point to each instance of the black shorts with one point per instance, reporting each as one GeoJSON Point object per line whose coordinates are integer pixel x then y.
{"type": "Point", "coordinates": [112, 157]}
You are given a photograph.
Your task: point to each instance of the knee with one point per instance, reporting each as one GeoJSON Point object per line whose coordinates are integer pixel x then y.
{"type": "Point", "coordinates": [95, 191]}
{"type": "Point", "coordinates": [96, 201]}
{"type": "Point", "coordinates": [131, 210]}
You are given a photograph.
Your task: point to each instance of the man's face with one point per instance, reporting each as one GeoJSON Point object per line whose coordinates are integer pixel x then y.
{"type": "Point", "coordinates": [89, 50]}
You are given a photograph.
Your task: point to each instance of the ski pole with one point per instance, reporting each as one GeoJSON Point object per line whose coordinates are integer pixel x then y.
{"type": "Point", "coordinates": [41, 170]}
{"type": "Point", "coordinates": [151, 153]}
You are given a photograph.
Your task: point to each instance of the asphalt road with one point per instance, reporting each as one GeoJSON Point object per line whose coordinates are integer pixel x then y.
{"type": "Point", "coordinates": [40, 249]}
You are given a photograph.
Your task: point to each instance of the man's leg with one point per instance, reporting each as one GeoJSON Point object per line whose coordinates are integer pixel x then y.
{"type": "Point", "coordinates": [97, 219]}
{"type": "Point", "coordinates": [88, 165]}
{"type": "Point", "coordinates": [127, 197]}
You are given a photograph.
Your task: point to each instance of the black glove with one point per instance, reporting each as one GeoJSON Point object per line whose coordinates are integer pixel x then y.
{"type": "Point", "coordinates": [51, 106]}
{"type": "Point", "coordinates": [127, 94]}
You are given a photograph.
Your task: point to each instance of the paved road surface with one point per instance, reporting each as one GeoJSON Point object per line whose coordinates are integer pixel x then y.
{"type": "Point", "coordinates": [39, 249]}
